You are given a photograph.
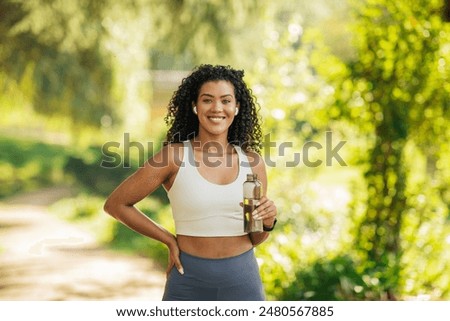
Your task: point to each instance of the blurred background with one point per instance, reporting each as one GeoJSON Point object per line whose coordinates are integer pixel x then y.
{"type": "Point", "coordinates": [79, 76]}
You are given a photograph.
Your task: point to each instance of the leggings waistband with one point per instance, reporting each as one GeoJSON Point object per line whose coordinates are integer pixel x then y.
{"type": "Point", "coordinates": [234, 257]}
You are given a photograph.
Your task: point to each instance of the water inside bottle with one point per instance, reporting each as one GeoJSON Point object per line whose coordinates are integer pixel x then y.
{"type": "Point", "coordinates": [250, 224]}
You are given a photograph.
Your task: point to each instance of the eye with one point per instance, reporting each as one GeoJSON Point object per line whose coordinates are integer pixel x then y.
{"type": "Point", "coordinates": [226, 101]}
{"type": "Point", "coordinates": [207, 101]}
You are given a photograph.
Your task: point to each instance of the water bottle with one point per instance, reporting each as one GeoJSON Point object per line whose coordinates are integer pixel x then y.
{"type": "Point", "coordinates": [252, 195]}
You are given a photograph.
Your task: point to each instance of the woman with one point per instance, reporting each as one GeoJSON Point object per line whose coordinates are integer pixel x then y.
{"type": "Point", "coordinates": [212, 144]}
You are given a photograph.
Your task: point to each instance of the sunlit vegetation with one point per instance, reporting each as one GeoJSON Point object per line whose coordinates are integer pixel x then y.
{"type": "Point", "coordinates": [27, 165]}
{"type": "Point", "coordinates": [372, 76]}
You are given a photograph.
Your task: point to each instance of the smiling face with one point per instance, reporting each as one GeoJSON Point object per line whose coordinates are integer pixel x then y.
{"type": "Point", "coordinates": [216, 107]}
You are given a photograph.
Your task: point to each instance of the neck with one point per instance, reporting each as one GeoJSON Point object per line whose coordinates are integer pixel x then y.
{"type": "Point", "coordinates": [211, 144]}
{"type": "Point", "coordinates": [211, 140]}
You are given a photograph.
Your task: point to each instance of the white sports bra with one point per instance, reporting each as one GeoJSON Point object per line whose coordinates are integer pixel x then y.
{"type": "Point", "coordinates": [202, 208]}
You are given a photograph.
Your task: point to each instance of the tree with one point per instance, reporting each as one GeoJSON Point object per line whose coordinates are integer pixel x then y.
{"type": "Point", "coordinates": [204, 30]}
{"type": "Point", "coordinates": [88, 61]}
{"type": "Point", "coordinates": [391, 102]}
{"type": "Point", "coordinates": [56, 46]}
{"type": "Point", "coordinates": [399, 74]}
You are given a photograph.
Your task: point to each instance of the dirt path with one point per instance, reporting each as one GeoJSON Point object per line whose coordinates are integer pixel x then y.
{"type": "Point", "coordinates": [43, 258]}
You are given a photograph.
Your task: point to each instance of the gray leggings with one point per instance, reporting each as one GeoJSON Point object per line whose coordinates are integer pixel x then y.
{"type": "Point", "coordinates": [230, 279]}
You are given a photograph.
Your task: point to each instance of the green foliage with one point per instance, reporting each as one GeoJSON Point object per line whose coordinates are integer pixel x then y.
{"type": "Point", "coordinates": [86, 170]}
{"type": "Point", "coordinates": [297, 107]}
{"type": "Point", "coordinates": [86, 61]}
{"type": "Point", "coordinates": [375, 229]}
{"type": "Point", "coordinates": [378, 103]}
{"type": "Point", "coordinates": [27, 165]}
{"type": "Point", "coordinates": [57, 46]}
{"type": "Point", "coordinates": [68, 85]}
{"type": "Point", "coordinates": [399, 50]}
{"type": "Point", "coordinates": [201, 31]}
{"type": "Point", "coordinates": [325, 279]}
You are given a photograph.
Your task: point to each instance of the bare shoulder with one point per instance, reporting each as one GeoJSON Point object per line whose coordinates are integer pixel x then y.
{"type": "Point", "coordinates": [157, 170]}
{"type": "Point", "coordinates": [164, 165]}
{"type": "Point", "coordinates": [169, 157]}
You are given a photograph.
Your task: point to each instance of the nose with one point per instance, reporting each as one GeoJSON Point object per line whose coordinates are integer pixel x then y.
{"type": "Point", "coordinates": [217, 106]}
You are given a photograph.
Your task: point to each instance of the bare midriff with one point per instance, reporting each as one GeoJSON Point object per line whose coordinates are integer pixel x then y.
{"type": "Point", "coordinates": [214, 247]}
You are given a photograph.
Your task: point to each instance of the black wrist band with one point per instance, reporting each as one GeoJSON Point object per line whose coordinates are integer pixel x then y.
{"type": "Point", "coordinates": [269, 229]}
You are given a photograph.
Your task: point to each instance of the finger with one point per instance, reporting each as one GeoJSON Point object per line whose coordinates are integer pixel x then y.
{"type": "Point", "coordinates": [268, 213]}
{"type": "Point", "coordinates": [179, 266]}
{"type": "Point", "coordinates": [263, 199]}
{"type": "Point", "coordinates": [169, 267]}
{"type": "Point", "coordinates": [262, 202]}
{"type": "Point", "coordinates": [264, 209]}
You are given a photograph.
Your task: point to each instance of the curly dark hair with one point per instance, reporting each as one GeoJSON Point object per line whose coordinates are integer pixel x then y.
{"type": "Point", "coordinates": [245, 130]}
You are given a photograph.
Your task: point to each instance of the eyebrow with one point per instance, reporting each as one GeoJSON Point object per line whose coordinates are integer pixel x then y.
{"type": "Point", "coordinates": [209, 95]}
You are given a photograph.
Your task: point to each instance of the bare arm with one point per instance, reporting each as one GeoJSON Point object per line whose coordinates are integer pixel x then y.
{"type": "Point", "coordinates": [266, 209]}
{"type": "Point", "coordinates": [158, 170]}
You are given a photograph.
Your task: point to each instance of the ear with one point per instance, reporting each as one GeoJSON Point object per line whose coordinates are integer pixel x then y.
{"type": "Point", "coordinates": [236, 111]}
{"type": "Point", "coordinates": [194, 109]}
